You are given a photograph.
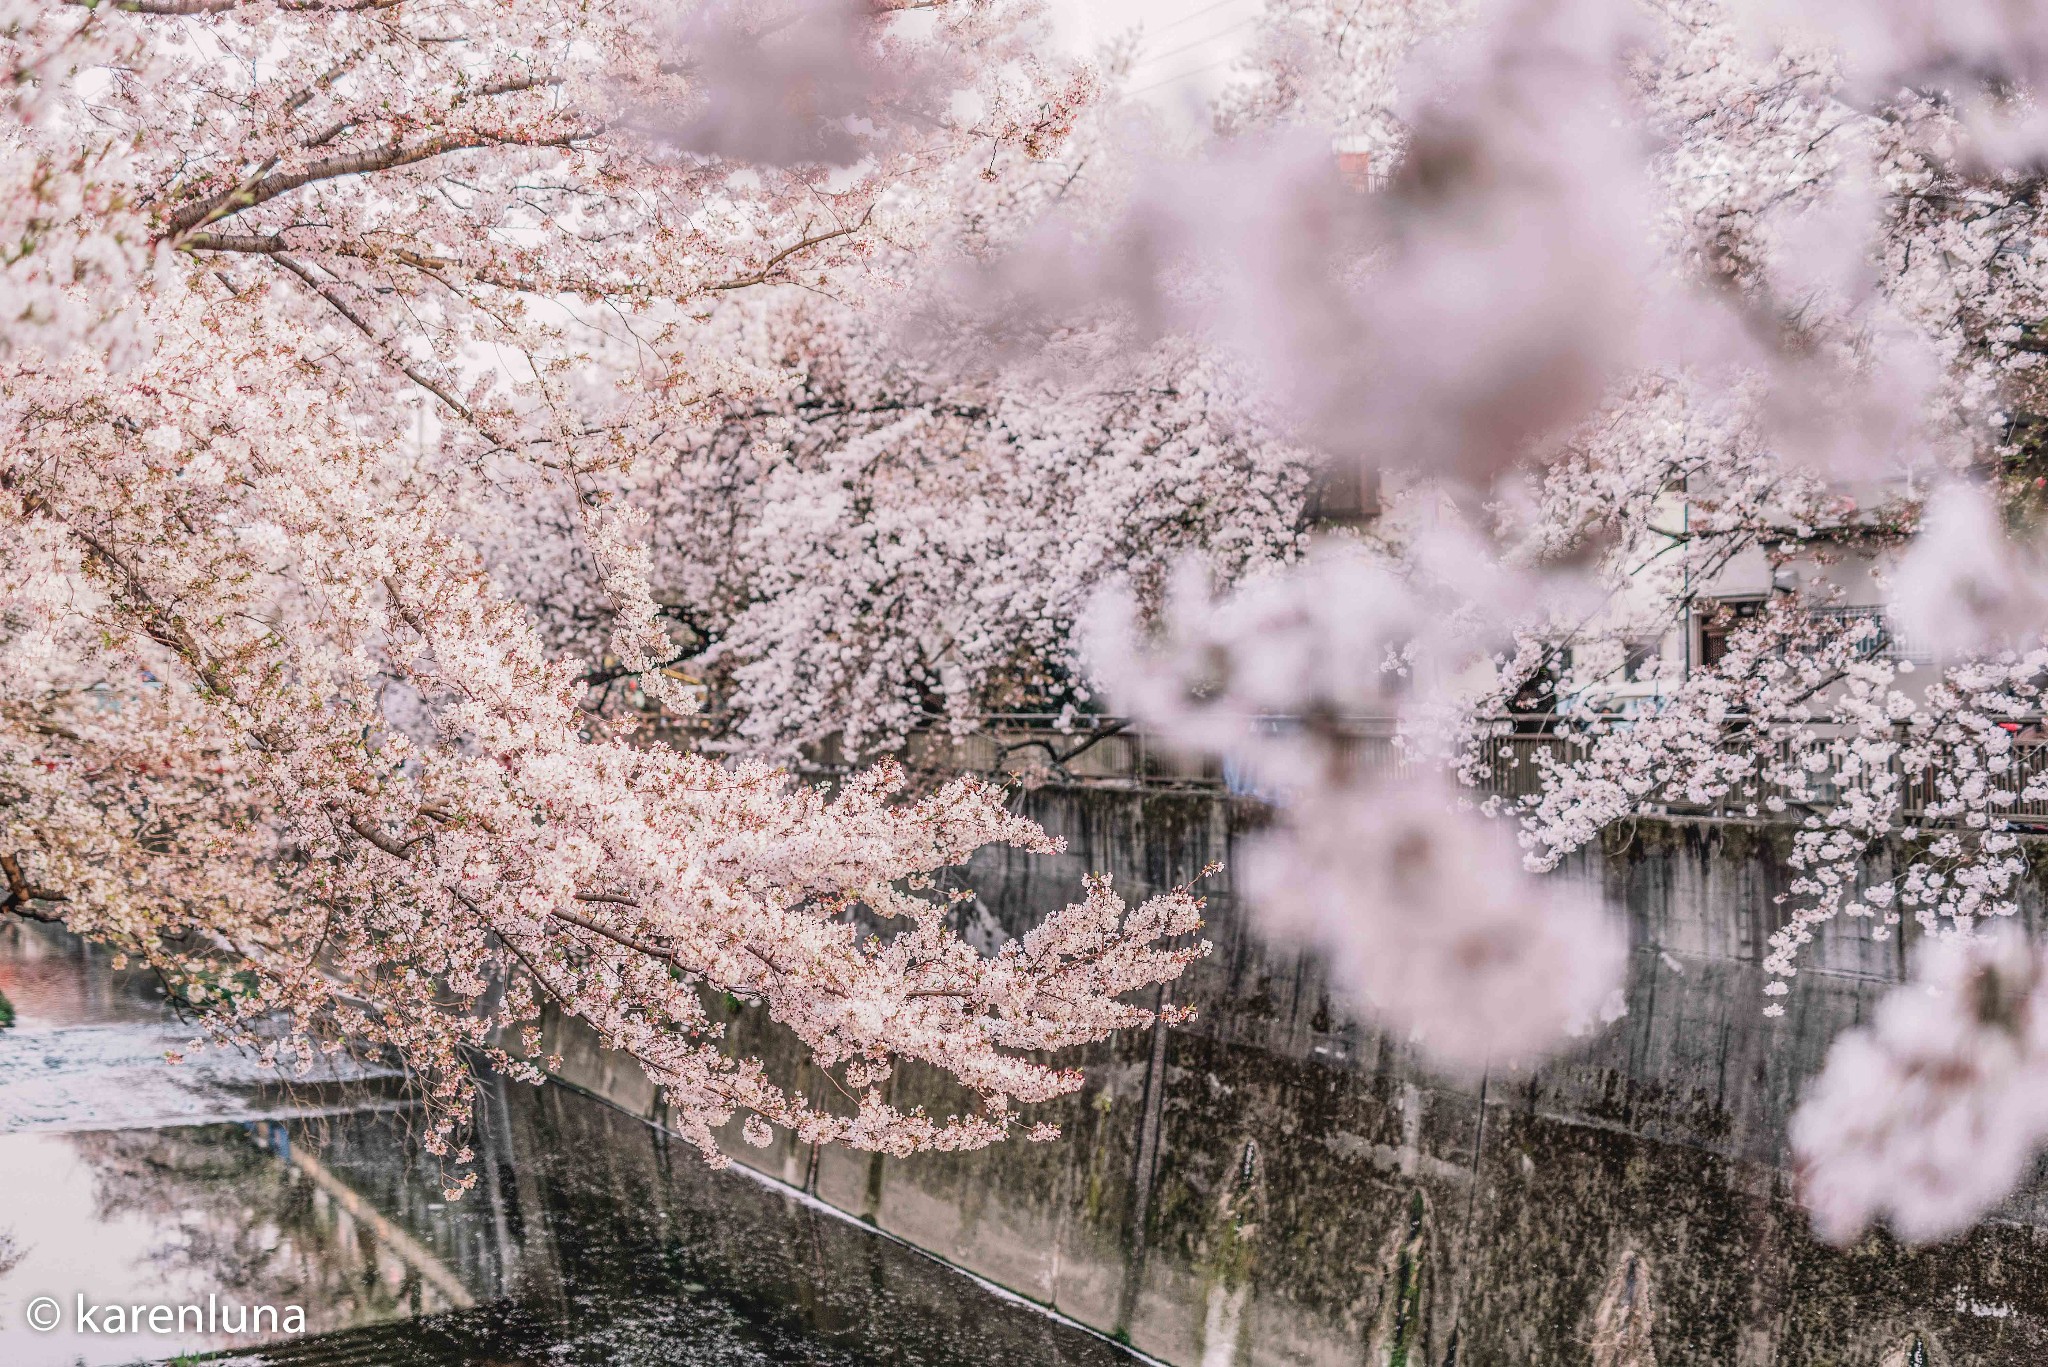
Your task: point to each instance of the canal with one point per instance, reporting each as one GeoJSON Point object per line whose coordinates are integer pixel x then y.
{"type": "Point", "coordinates": [590, 1239]}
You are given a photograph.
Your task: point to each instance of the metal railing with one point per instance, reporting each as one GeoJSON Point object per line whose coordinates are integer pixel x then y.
{"type": "Point", "coordinates": [1106, 751]}
{"type": "Point", "coordinates": [1887, 642]}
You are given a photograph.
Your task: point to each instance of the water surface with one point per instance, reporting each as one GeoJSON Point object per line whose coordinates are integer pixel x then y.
{"type": "Point", "coordinates": [591, 1237]}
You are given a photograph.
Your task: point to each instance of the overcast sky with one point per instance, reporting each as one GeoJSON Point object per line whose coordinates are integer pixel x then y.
{"type": "Point", "coordinates": [1186, 47]}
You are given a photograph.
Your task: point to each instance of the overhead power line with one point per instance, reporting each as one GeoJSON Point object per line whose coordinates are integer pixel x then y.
{"type": "Point", "coordinates": [1190, 47]}
{"type": "Point", "coordinates": [1193, 15]}
{"type": "Point", "coordinates": [1182, 76]}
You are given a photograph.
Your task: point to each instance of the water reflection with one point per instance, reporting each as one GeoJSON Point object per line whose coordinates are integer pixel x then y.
{"type": "Point", "coordinates": [588, 1240]}
{"type": "Point", "coordinates": [171, 1218]}
{"type": "Point", "coordinates": [87, 1051]}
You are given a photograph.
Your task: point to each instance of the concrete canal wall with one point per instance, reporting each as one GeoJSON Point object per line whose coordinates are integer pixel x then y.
{"type": "Point", "coordinates": [1277, 1183]}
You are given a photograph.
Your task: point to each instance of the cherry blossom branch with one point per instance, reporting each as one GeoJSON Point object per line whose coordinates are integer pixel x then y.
{"type": "Point", "coordinates": [388, 158]}
{"type": "Point", "coordinates": [177, 8]}
{"type": "Point", "coordinates": [21, 892]}
{"type": "Point", "coordinates": [767, 271]}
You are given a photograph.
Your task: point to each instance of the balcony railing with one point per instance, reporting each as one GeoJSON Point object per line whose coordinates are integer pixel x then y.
{"type": "Point", "coordinates": [1111, 752]}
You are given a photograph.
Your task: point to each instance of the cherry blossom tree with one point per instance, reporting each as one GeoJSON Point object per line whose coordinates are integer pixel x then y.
{"type": "Point", "coordinates": [839, 552]}
{"type": "Point", "coordinates": [839, 559]}
{"type": "Point", "coordinates": [296, 293]}
{"type": "Point", "coordinates": [402, 398]}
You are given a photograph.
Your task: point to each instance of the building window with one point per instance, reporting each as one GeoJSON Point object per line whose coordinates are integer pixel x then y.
{"type": "Point", "coordinates": [1721, 619]}
{"type": "Point", "coordinates": [1344, 494]}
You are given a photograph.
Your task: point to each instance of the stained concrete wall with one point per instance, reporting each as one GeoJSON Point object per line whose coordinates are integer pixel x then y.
{"type": "Point", "coordinates": [1277, 1183]}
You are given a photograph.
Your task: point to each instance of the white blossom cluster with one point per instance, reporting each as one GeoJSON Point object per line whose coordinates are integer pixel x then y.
{"type": "Point", "coordinates": [1422, 911]}
{"type": "Point", "coordinates": [1930, 1115]}
{"type": "Point", "coordinates": [840, 556]}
